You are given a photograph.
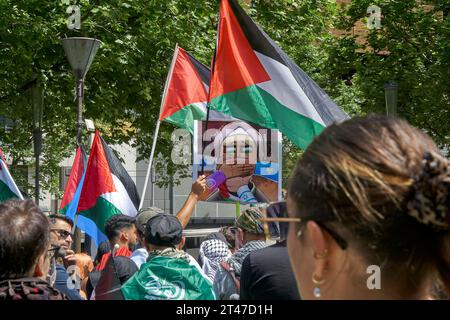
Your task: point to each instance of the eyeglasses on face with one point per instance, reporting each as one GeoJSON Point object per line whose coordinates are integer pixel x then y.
{"type": "Point", "coordinates": [63, 234]}
{"type": "Point", "coordinates": [342, 243]}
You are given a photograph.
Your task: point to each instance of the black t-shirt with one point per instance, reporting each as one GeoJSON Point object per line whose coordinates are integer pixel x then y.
{"type": "Point", "coordinates": [267, 275]}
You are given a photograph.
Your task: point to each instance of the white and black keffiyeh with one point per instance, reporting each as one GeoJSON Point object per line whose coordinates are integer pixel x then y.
{"type": "Point", "coordinates": [212, 253]}
{"type": "Point", "coordinates": [238, 257]}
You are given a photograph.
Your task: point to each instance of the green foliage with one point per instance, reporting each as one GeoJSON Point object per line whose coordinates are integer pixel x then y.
{"type": "Point", "coordinates": [125, 82]}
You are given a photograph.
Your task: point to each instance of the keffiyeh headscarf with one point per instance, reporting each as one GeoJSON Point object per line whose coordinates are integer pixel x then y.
{"type": "Point", "coordinates": [250, 221]}
{"type": "Point", "coordinates": [212, 253]}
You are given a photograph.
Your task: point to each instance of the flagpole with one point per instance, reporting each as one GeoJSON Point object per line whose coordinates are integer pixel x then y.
{"type": "Point", "coordinates": [150, 162]}
{"type": "Point", "coordinates": [155, 136]}
{"type": "Point", "coordinates": [213, 63]}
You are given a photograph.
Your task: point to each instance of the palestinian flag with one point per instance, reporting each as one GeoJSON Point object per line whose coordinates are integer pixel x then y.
{"type": "Point", "coordinates": [69, 204]}
{"type": "Point", "coordinates": [8, 188]}
{"type": "Point", "coordinates": [107, 190]}
{"type": "Point", "coordinates": [186, 92]}
{"type": "Point", "coordinates": [254, 80]}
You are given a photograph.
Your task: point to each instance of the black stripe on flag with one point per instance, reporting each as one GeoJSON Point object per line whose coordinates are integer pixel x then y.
{"type": "Point", "coordinates": [119, 171]}
{"type": "Point", "coordinates": [254, 34]}
{"type": "Point", "coordinates": [201, 69]}
{"type": "Point", "coordinates": [327, 109]}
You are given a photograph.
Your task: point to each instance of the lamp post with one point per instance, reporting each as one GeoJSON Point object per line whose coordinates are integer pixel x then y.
{"type": "Point", "coordinates": [80, 52]}
{"type": "Point", "coordinates": [391, 93]}
{"type": "Point", "coordinates": [37, 101]}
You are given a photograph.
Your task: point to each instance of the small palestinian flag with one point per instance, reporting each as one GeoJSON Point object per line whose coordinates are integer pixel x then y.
{"type": "Point", "coordinates": [107, 188]}
{"type": "Point", "coordinates": [185, 94]}
{"type": "Point", "coordinates": [8, 188]}
{"type": "Point", "coordinates": [254, 80]}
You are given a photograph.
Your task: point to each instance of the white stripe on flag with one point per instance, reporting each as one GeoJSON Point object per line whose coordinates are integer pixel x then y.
{"type": "Point", "coordinates": [6, 177]}
{"type": "Point", "coordinates": [285, 88]}
{"type": "Point", "coordinates": [120, 199]}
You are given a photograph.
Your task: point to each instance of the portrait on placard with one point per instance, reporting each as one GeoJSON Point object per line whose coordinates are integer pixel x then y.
{"type": "Point", "coordinates": [242, 161]}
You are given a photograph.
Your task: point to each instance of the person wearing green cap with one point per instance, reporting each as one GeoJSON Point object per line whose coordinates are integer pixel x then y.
{"type": "Point", "coordinates": [250, 237]}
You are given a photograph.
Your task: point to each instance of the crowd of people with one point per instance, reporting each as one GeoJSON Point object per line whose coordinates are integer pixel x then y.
{"type": "Point", "coordinates": [370, 193]}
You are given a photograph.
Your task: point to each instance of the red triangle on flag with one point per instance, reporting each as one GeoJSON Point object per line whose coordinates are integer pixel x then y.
{"type": "Point", "coordinates": [98, 179]}
{"type": "Point", "coordinates": [184, 85]}
{"type": "Point", "coordinates": [76, 173]}
{"type": "Point", "coordinates": [234, 57]}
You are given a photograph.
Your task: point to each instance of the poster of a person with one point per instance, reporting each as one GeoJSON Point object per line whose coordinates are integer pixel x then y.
{"type": "Point", "coordinates": [241, 161]}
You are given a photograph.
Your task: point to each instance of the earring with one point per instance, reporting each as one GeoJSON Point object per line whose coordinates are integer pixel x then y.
{"type": "Point", "coordinates": [320, 255]}
{"type": "Point", "coordinates": [317, 281]}
{"type": "Point", "coordinates": [299, 233]}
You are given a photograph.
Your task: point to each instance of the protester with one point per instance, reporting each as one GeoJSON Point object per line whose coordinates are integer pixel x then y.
{"type": "Point", "coordinates": [167, 273]}
{"type": "Point", "coordinates": [229, 233]}
{"type": "Point", "coordinates": [140, 255]}
{"type": "Point", "coordinates": [61, 236]}
{"type": "Point", "coordinates": [266, 274]}
{"type": "Point", "coordinates": [25, 253]}
{"type": "Point", "coordinates": [373, 198]}
{"type": "Point", "coordinates": [250, 237]}
{"type": "Point", "coordinates": [198, 192]}
{"type": "Point", "coordinates": [212, 252]}
{"type": "Point", "coordinates": [120, 229]}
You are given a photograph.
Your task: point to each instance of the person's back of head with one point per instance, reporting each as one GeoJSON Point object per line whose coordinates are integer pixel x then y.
{"type": "Point", "coordinates": [370, 191]}
{"type": "Point", "coordinates": [229, 233]}
{"type": "Point", "coordinates": [163, 231]}
{"type": "Point", "coordinates": [250, 225]}
{"type": "Point", "coordinates": [121, 228]}
{"type": "Point", "coordinates": [24, 240]}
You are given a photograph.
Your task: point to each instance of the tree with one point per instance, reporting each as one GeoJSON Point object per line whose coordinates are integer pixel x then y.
{"type": "Point", "coordinates": [411, 48]}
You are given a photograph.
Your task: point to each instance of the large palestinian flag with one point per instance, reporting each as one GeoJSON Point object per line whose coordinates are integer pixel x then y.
{"type": "Point", "coordinates": [107, 190]}
{"type": "Point", "coordinates": [8, 188]}
{"type": "Point", "coordinates": [186, 92]}
{"type": "Point", "coordinates": [254, 80]}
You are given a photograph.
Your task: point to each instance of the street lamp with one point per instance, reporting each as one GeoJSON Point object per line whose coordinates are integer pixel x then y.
{"type": "Point", "coordinates": [391, 93]}
{"type": "Point", "coordinates": [80, 52]}
{"type": "Point", "coordinates": [37, 101]}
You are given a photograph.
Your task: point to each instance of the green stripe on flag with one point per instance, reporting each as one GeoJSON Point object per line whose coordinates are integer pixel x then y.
{"type": "Point", "coordinates": [5, 192]}
{"type": "Point", "coordinates": [256, 105]}
{"type": "Point", "coordinates": [184, 118]}
{"type": "Point", "coordinates": [101, 212]}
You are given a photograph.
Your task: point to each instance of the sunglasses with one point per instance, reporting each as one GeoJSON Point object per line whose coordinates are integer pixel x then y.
{"type": "Point", "coordinates": [341, 242]}
{"type": "Point", "coordinates": [62, 233]}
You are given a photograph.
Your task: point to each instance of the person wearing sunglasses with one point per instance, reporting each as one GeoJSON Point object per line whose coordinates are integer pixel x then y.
{"type": "Point", "coordinates": [61, 238]}
{"type": "Point", "coordinates": [369, 204]}
{"type": "Point", "coordinates": [25, 253]}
